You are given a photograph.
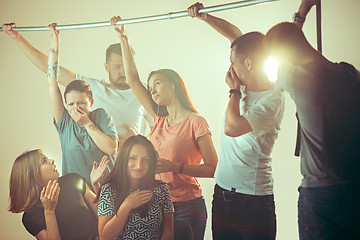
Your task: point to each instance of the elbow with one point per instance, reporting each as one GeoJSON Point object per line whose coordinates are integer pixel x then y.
{"type": "Point", "coordinates": [212, 172]}
{"type": "Point", "coordinates": [113, 148]}
{"type": "Point", "coordinates": [102, 236]}
{"type": "Point", "coordinates": [230, 133]}
{"type": "Point", "coordinates": [229, 130]}
{"type": "Point", "coordinates": [113, 151]}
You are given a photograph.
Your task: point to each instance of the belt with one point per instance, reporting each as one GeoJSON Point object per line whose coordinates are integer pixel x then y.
{"type": "Point", "coordinates": [230, 196]}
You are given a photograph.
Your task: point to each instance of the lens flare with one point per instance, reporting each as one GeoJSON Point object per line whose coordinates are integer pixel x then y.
{"type": "Point", "coordinates": [271, 69]}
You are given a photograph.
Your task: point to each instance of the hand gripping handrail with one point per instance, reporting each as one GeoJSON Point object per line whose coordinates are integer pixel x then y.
{"type": "Point", "coordinates": [170, 15]}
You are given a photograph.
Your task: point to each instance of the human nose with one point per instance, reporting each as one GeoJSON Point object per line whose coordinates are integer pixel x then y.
{"type": "Point", "coordinates": [153, 91]}
{"type": "Point", "coordinates": [138, 164]}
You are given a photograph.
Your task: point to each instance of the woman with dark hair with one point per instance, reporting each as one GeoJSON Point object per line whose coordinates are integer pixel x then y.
{"type": "Point", "coordinates": [132, 204]}
{"type": "Point", "coordinates": [51, 213]}
{"type": "Point", "coordinates": [180, 135]}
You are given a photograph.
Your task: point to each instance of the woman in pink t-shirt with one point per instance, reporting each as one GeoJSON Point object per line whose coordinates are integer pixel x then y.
{"type": "Point", "coordinates": [180, 135]}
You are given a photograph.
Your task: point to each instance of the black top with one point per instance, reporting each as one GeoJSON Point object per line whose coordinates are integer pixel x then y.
{"type": "Point", "coordinates": [75, 219]}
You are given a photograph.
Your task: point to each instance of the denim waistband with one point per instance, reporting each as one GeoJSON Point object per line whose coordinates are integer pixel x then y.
{"type": "Point", "coordinates": [189, 201]}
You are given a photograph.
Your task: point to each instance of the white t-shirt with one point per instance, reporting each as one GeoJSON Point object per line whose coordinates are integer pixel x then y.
{"type": "Point", "coordinates": [122, 105]}
{"type": "Point", "coordinates": [245, 163]}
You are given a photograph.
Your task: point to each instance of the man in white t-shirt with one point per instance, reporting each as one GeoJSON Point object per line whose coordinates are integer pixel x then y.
{"type": "Point", "coordinates": [243, 203]}
{"type": "Point", "coordinates": [116, 96]}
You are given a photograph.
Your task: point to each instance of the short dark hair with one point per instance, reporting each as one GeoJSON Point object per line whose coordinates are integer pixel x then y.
{"type": "Point", "coordinates": [113, 48]}
{"type": "Point", "coordinates": [288, 39]}
{"type": "Point", "coordinates": [249, 45]}
{"type": "Point", "coordinates": [80, 86]}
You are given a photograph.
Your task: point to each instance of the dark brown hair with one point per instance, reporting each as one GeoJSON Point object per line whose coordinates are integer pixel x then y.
{"type": "Point", "coordinates": [79, 86]}
{"type": "Point", "coordinates": [250, 45]}
{"type": "Point", "coordinates": [179, 90]}
{"type": "Point", "coordinates": [118, 177]}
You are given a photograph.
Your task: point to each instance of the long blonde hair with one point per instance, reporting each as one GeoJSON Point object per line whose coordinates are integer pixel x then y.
{"type": "Point", "coordinates": [25, 182]}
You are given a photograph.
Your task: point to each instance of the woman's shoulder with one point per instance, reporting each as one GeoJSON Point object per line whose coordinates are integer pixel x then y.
{"type": "Point", "coordinates": [107, 188]}
{"type": "Point", "coordinates": [197, 121]}
{"type": "Point", "coordinates": [72, 181]}
{"type": "Point", "coordinates": [194, 116]}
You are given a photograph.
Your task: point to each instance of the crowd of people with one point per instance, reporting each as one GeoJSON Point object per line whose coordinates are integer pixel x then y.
{"type": "Point", "coordinates": [119, 183]}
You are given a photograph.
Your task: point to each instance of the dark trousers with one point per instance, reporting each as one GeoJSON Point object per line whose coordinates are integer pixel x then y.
{"type": "Point", "coordinates": [331, 212]}
{"type": "Point", "coordinates": [242, 217]}
{"type": "Point", "coordinates": [194, 213]}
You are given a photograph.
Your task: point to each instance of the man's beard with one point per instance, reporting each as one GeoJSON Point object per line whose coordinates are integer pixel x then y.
{"type": "Point", "coordinates": [120, 85]}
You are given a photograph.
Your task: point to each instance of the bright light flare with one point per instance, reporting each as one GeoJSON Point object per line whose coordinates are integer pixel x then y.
{"type": "Point", "coordinates": [271, 69]}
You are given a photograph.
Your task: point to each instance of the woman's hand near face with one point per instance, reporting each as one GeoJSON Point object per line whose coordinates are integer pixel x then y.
{"type": "Point", "coordinates": [49, 195]}
{"type": "Point", "coordinates": [136, 199]}
{"type": "Point", "coordinates": [79, 116]}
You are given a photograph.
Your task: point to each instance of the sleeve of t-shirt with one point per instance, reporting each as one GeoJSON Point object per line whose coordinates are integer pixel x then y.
{"type": "Point", "coordinates": [104, 121]}
{"type": "Point", "coordinates": [33, 222]}
{"type": "Point", "coordinates": [106, 201]}
{"type": "Point", "coordinates": [263, 116]}
{"type": "Point", "coordinates": [168, 205]}
{"type": "Point", "coordinates": [200, 127]}
{"type": "Point", "coordinates": [90, 81]}
{"type": "Point", "coordinates": [63, 122]}
{"type": "Point", "coordinates": [144, 119]}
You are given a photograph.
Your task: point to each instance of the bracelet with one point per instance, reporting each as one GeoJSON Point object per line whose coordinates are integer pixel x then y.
{"type": "Point", "coordinates": [298, 18]}
{"type": "Point", "coordinates": [181, 168]}
{"type": "Point", "coordinates": [236, 91]}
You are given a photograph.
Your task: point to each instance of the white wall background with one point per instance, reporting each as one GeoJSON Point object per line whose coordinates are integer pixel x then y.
{"type": "Point", "coordinates": [190, 47]}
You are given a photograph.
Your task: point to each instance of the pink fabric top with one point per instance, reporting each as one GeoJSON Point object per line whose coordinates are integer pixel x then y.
{"type": "Point", "coordinates": [178, 143]}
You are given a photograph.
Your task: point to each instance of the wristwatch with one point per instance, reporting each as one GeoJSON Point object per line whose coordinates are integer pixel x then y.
{"type": "Point", "coordinates": [298, 18]}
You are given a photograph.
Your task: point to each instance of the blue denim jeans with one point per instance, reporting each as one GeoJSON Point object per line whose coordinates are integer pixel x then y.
{"type": "Point", "coordinates": [241, 216]}
{"type": "Point", "coordinates": [331, 212]}
{"type": "Point", "coordinates": [194, 213]}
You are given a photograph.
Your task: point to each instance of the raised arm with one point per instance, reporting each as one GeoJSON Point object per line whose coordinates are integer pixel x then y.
{"type": "Point", "coordinates": [110, 226]}
{"type": "Point", "coordinates": [131, 72]}
{"type": "Point", "coordinates": [222, 26]}
{"type": "Point", "coordinates": [55, 97]}
{"type": "Point", "coordinates": [235, 124]}
{"type": "Point", "coordinates": [39, 59]}
{"type": "Point", "coordinates": [304, 9]}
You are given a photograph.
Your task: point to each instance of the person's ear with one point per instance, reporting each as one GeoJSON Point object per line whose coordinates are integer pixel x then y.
{"type": "Point", "coordinates": [248, 64]}
{"type": "Point", "coordinates": [91, 102]}
{"type": "Point", "coordinates": [106, 65]}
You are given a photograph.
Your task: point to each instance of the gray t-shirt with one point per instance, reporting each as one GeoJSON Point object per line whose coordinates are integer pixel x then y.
{"type": "Point", "coordinates": [305, 89]}
{"type": "Point", "coordinates": [79, 151]}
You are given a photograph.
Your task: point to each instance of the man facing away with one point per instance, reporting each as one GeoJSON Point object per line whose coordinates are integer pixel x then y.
{"type": "Point", "coordinates": [327, 98]}
{"type": "Point", "coordinates": [243, 203]}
